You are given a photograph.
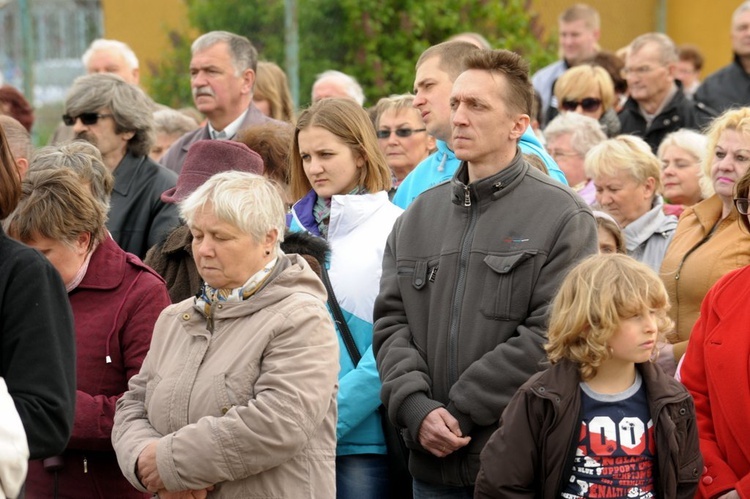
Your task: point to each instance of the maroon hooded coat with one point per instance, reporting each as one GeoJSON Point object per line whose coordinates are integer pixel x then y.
{"type": "Point", "coordinates": [115, 307]}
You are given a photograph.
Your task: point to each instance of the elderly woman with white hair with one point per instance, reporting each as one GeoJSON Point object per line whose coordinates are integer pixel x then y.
{"type": "Point", "coordinates": [569, 137]}
{"type": "Point", "coordinates": [237, 396]}
{"type": "Point", "coordinates": [627, 177]}
{"type": "Point", "coordinates": [681, 154]}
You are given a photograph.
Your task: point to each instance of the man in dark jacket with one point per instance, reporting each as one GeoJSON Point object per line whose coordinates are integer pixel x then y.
{"type": "Point", "coordinates": [468, 274]}
{"type": "Point", "coordinates": [117, 118]}
{"type": "Point", "coordinates": [222, 75]}
{"type": "Point", "coordinates": [657, 106]}
{"type": "Point", "coordinates": [730, 85]}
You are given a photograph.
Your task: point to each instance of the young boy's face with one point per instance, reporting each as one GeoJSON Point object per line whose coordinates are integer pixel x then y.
{"type": "Point", "coordinates": [636, 339]}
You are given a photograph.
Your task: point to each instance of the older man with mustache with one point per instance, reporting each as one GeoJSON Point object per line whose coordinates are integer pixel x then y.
{"type": "Point", "coordinates": [117, 118]}
{"type": "Point", "coordinates": [222, 75]}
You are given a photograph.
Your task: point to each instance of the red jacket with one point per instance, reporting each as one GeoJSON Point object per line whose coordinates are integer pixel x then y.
{"type": "Point", "coordinates": [115, 308]}
{"type": "Point", "coordinates": [715, 370]}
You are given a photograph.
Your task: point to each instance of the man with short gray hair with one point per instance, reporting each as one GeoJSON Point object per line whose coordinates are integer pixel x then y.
{"type": "Point", "coordinates": [657, 105]}
{"type": "Point", "coordinates": [222, 75]}
{"type": "Point", "coordinates": [333, 83]}
{"type": "Point", "coordinates": [117, 118]}
{"type": "Point", "coordinates": [730, 85]}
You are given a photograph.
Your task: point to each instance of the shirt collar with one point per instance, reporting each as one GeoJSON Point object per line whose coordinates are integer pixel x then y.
{"type": "Point", "coordinates": [230, 130]}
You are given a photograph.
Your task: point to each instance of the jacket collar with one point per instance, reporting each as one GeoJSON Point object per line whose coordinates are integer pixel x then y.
{"type": "Point", "coordinates": [347, 211]}
{"type": "Point", "coordinates": [106, 268]}
{"type": "Point", "coordinates": [708, 212]}
{"type": "Point", "coordinates": [126, 173]}
{"type": "Point", "coordinates": [652, 222]}
{"type": "Point", "coordinates": [178, 240]}
{"type": "Point", "coordinates": [560, 383]}
{"type": "Point", "coordinates": [491, 187]}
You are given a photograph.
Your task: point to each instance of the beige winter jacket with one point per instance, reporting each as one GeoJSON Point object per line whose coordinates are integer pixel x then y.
{"type": "Point", "coordinates": [249, 407]}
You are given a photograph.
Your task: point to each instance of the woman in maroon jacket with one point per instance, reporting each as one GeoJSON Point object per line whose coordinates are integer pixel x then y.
{"type": "Point", "coordinates": [115, 300]}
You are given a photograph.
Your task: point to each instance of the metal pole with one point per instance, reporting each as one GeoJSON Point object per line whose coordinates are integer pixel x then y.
{"type": "Point", "coordinates": [28, 50]}
{"type": "Point", "coordinates": [291, 46]}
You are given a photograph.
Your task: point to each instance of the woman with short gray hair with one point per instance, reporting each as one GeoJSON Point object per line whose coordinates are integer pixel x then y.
{"type": "Point", "coordinates": [238, 394]}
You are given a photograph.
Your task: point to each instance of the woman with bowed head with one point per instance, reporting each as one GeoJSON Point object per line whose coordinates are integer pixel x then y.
{"type": "Point", "coordinates": [342, 178]}
{"type": "Point", "coordinates": [715, 371]}
{"type": "Point", "coordinates": [682, 154]}
{"type": "Point", "coordinates": [237, 396]}
{"type": "Point", "coordinates": [115, 300]}
{"type": "Point", "coordinates": [627, 178]}
{"type": "Point", "coordinates": [709, 240]}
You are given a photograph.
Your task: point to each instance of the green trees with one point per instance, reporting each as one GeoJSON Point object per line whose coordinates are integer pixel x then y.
{"type": "Point", "coordinates": [376, 41]}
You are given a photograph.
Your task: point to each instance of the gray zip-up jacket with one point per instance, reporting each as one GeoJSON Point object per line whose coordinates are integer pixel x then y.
{"type": "Point", "coordinates": [468, 275]}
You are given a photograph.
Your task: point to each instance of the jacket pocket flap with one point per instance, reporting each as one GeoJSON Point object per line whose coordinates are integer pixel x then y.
{"type": "Point", "coordinates": [420, 274]}
{"type": "Point", "coordinates": [505, 264]}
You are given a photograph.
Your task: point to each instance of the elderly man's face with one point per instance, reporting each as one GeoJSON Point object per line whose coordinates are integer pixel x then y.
{"type": "Point", "coordinates": [649, 79]}
{"type": "Point", "coordinates": [217, 89]}
{"type": "Point", "coordinates": [111, 61]}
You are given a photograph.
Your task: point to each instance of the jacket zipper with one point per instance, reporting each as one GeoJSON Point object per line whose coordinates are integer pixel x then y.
{"type": "Point", "coordinates": [460, 289]}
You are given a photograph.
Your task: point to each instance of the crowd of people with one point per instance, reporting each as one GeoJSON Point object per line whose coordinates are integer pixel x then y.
{"type": "Point", "coordinates": [498, 285]}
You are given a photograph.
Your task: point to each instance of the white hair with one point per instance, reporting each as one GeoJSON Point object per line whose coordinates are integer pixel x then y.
{"type": "Point", "coordinates": [249, 202]}
{"type": "Point", "coordinates": [116, 45]}
{"type": "Point", "coordinates": [353, 89]}
{"type": "Point", "coordinates": [585, 132]}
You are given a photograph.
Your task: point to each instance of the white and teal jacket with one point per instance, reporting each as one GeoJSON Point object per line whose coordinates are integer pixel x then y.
{"type": "Point", "coordinates": [358, 229]}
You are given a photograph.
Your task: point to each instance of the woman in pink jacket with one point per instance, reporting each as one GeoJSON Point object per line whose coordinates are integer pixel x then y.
{"type": "Point", "coordinates": [115, 300]}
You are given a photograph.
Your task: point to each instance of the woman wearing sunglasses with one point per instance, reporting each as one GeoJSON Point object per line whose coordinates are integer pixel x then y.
{"type": "Point", "coordinates": [709, 241]}
{"type": "Point", "coordinates": [341, 175]}
{"type": "Point", "coordinates": [402, 136]}
{"type": "Point", "coordinates": [589, 90]}
{"type": "Point", "coordinates": [715, 372]}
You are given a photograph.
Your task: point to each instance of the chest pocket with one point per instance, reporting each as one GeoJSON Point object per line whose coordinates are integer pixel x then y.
{"type": "Point", "coordinates": [507, 285]}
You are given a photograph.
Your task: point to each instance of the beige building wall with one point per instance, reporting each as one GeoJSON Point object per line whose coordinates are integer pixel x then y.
{"type": "Point", "coordinates": [145, 25]}
{"type": "Point", "coordinates": [705, 24]}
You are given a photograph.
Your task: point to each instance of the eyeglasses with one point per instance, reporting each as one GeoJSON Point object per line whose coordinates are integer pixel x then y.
{"type": "Point", "coordinates": [557, 153]}
{"type": "Point", "coordinates": [589, 104]}
{"type": "Point", "coordinates": [640, 70]}
{"type": "Point", "coordinates": [742, 205]}
{"type": "Point", "coordinates": [86, 118]}
{"type": "Point", "coordinates": [400, 132]}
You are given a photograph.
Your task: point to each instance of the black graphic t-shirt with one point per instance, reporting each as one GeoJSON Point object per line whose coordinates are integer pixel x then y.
{"type": "Point", "coordinates": [616, 448]}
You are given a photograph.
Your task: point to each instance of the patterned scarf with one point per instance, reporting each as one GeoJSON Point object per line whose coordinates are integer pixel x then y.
{"type": "Point", "coordinates": [322, 210]}
{"type": "Point", "coordinates": [210, 296]}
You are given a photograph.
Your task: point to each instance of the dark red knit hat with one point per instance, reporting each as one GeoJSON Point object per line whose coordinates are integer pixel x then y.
{"type": "Point", "coordinates": [205, 159]}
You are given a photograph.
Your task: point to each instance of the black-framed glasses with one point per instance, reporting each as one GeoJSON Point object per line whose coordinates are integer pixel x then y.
{"type": "Point", "coordinates": [400, 132]}
{"type": "Point", "coordinates": [86, 118]}
{"type": "Point", "coordinates": [742, 205]}
{"type": "Point", "coordinates": [589, 104]}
